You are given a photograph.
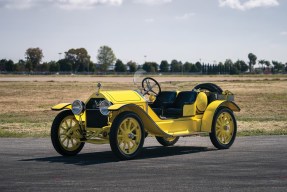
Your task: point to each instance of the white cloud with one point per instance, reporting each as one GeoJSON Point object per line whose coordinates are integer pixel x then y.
{"type": "Point", "coordinates": [72, 4]}
{"type": "Point", "coordinates": [249, 4]}
{"type": "Point", "coordinates": [284, 33]}
{"type": "Point", "coordinates": [153, 2]}
{"type": "Point", "coordinates": [17, 4]}
{"type": "Point", "coordinates": [84, 4]}
{"type": "Point", "coordinates": [64, 4]}
{"type": "Point", "coordinates": [185, 16]}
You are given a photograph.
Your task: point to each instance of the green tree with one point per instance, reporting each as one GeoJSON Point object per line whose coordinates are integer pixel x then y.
{"type": "Point", "coordinates": [79, 59]}
{"type": "Point", "coordinates": [203, 71]}
{"type": "Point", "coordinates": [234, 70]}
{"type": "Point", "coordinates": [92, 67]}
{"type": "Point", "coordinates": [33, 56]}
{"type": "Point", "coordinates": [208, 69]}
{"type": "Point", "coordinates": [150, 67]}
{"type": "Point", "coordinates": [175, 66]}
{"type": "Point", "coordinates": [240, 66]}
{"type": "Point", "coordinates": [278, 66]}
{"type": "Point", "coordinates": [132, 66]}
{"type": "Point", "coordinates": [120, 66]}
{"type": "Point", "coordinates": [267, 63]}
{"type": "Point", "coordinates": [29, 66]}
{"type": "Point", "coordinates": [243, 66]}
{"type": "Point", "coordinates": [221, 68]}
{"type": "Point", "coordinates": [193, 68]}
{"type": "Point", "coordinates": [7, 65]}
{"type": "Point", "coordinates": [44, 67]}
{"type": "Point", "coordinates": [65, 65]}
{"type": "Point", "coordinates": [164, 66]}
{"type": "Point", "coordinates": [187, 67]}
{"type": "Point", "coordinates": [198, 66]}
{"type": "Point", "coordinates": [2, 64]}
{"type": "Point", "coordinates": [252, 61]}
{"type": "Point", "coordinates": [262, 62]}
{"type": "Point", "coordinates": [20, 66]}
{"type": "Point", "coordinates": [227, 66]}
{"type": "Point", "coordinates": [106, 57]}
{"type": "Point", "coordinates": [53, 66]}
{"type": "Point", "coordinates": [215, 69]}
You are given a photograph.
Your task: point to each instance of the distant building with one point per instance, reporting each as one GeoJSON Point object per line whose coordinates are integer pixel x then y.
{"type": "Point", "coordinates": [111, 68]}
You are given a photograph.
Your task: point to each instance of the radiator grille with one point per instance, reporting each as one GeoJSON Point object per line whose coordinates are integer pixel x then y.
{"type": "Point", "coordinates": [94, 117]}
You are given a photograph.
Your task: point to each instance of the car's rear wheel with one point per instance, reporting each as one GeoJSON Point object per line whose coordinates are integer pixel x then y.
{"type": "Point", "coordinates": [167, 141]}
{"type": "Point", "coordinates": [224, 129]}
{"type": "Point", "coordinates": [127, 136]}
{"type": "Point", "coordinates": [66, 134]}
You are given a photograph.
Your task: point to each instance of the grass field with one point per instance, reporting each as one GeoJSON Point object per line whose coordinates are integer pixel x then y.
{"type": "Point", "coordinates": [25, 101]}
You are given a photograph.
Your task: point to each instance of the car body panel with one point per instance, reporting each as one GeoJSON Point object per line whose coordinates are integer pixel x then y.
{"type": "Point", "coordinates": [149, 124]}
{"type": "Point", "coordinates": [162, 127]}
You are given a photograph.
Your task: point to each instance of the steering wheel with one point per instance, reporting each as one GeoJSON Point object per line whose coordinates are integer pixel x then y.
{"type": "Point", "coordinates": [150, 85]}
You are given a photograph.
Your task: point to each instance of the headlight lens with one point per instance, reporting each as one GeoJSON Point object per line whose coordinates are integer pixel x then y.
{"type": "Point", "coordinates": [103, 106]}
{"type": "Point", "coordinates": [78, 107]}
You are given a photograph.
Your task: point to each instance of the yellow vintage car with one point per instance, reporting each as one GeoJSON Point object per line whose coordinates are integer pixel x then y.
{"type": "Point", "coordinates": [124, 118]}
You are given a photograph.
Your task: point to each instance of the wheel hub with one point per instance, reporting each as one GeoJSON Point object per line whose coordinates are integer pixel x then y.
{"type": "Point", "coordinates": [131, 136]}
{"type": "Point", "coordinates": [226, 127]}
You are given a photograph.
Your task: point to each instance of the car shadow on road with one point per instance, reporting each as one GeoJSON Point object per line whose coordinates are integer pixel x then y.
{"type": "Point", "coordinates": [85, 159]}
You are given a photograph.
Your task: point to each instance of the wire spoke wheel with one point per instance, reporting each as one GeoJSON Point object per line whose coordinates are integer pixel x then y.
{"type": "Point", "coordinates": [224, 129]}
{"type": "Point", "coordinates": [127, 136]}
{"type": "Point", "coordinates": [66, 134]}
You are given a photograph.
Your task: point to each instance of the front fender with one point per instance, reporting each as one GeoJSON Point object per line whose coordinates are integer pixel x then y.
{"type": "Point", "coordinates": [61, 106]}
{"type": "Point", "coordinates": [149, 125]}
{"type": "Point", "coordinates": [211, 110]}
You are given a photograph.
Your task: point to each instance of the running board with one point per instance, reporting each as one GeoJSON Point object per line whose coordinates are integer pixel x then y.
{"type": "Point", "coordinates": [185, 133]}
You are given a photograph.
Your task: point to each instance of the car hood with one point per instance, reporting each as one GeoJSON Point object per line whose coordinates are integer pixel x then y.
{"type": "Point", "coordinates": [122, 97]}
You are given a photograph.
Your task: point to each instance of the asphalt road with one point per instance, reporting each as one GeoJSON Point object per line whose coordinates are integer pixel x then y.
{"type": "Point", "coordinates": [252, 164]}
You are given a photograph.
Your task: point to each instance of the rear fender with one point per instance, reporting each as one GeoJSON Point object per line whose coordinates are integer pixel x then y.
{"type": "Point", "coordinates": [211, 110]}
{"type": "Point", "coordinates": [149, 125]}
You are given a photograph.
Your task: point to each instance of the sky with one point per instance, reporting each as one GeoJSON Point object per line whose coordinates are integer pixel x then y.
{"type": "Point", "coordinates": [209, 31]}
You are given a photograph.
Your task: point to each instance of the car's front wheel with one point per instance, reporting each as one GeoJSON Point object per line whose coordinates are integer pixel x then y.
{"type": "Point", "coordinates": [66, 134]}
{"type": "Point", "coordinates": [224, 129]}
{"type": "Point", "coordinates": [127, 136]}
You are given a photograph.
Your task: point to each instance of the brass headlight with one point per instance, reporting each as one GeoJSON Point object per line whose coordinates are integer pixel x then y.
{"type": "Point", "coordinates": [78, 107]}
{"type": "Point", "coordinates": [103, 106]}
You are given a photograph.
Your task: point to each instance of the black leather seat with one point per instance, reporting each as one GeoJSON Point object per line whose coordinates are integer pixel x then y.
{"type": "Point", "coordinates": [163, 98]}
{"type": "Point", "coordinates": [183, 98]}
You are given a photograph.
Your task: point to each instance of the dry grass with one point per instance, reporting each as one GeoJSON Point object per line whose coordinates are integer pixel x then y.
{"type": "Point", "coordinates": [25, 105]}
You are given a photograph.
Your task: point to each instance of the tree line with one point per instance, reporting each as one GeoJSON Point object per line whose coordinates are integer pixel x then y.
{"type": "Point", "coordinates": [78, 60]}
